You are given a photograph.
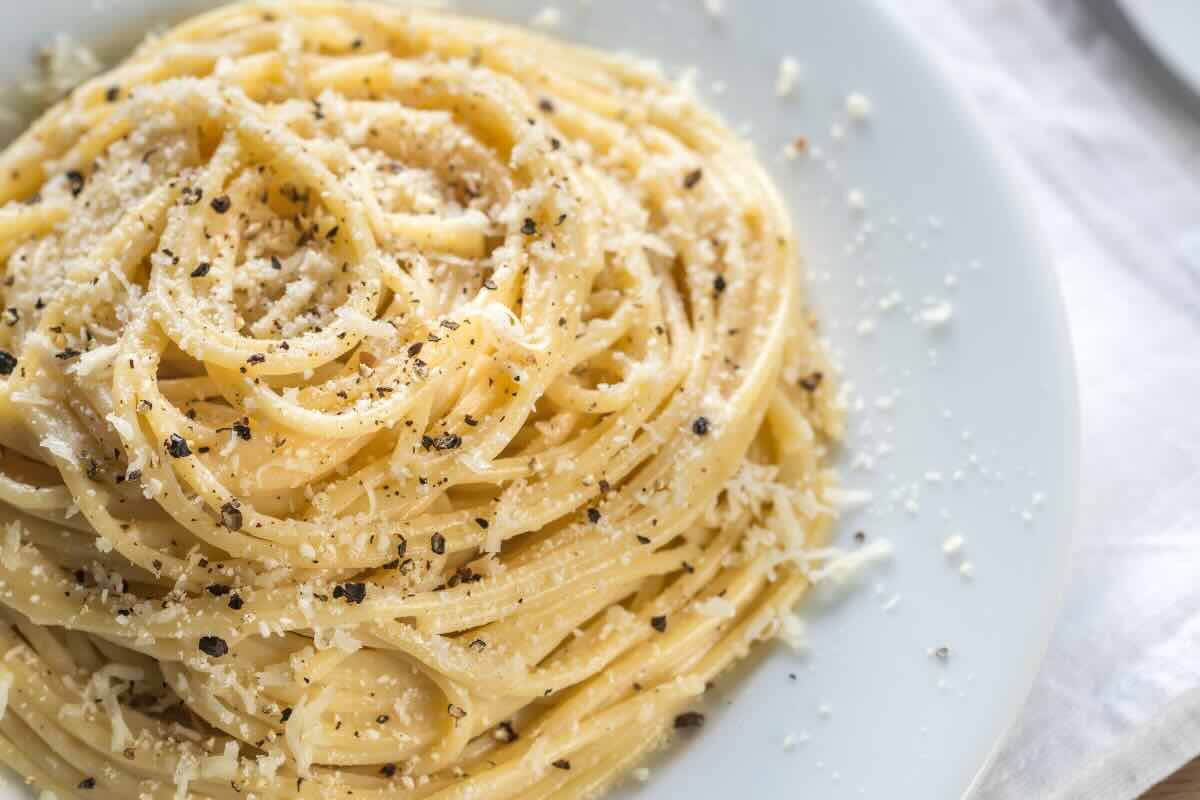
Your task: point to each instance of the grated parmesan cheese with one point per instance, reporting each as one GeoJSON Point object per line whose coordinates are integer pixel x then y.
{"type": "Point", "coordinates": [845, 567]}
{"type": "Point", "coordinates": [58, 447]}
{"type": "Point", "coordinates": [847, 500]}
{"type": "Point", "coordinates": [303, 725]}
{"type": "Point", "coordinates": [362, 324]}
{"type": "Point", "coordinates": [715, 607]}
{"type": "Point", "coordinates": [858, 106]}
{"type": "Point", "coordinates": [6, 682]}
{"type": "Point", "coordinates": [65, 64]}
{"type": "Point", "coordinates": [223, 767]}
{"type": "Point", "coordinates": [186, 771]}
{"type": "Point", "coordinates": [269, 764]}
{"type": "Point", "coordinates": [792, 631]}
{"type": "Point", "coordinates": [937, 315]}
{"type": "Point", "coordinates": [549, 17]}
{"type": "Point", "coordinates": [787, 77]}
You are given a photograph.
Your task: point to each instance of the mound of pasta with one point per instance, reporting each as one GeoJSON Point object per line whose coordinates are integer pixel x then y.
{"type": "Point", "coordinates": [393, 404]}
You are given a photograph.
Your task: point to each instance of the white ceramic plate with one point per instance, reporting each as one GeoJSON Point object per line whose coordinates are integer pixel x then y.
{"type": "Point", "coordinates": [1172, 29]}
{"type": "Point", "coordinates": [966, 428]}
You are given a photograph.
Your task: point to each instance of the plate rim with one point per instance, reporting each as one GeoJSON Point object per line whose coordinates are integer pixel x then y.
{"type": "Point", "coordinates": [1009, 178]}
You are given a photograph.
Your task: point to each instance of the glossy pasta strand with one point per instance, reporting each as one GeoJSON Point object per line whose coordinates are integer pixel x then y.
{"type": "Point", "coordinates": [393, 404]}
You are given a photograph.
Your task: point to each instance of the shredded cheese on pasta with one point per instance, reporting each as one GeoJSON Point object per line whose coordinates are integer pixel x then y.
{"type": "Point", "coordinates": [392, 404]}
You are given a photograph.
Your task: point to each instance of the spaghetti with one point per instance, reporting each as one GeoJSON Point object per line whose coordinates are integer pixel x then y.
{"type": "Point", "coordinates": [394, 404]}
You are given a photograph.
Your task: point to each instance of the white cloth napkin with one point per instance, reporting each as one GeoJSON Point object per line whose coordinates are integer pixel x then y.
{"type": "Point", "coordinates": [1109, 149]}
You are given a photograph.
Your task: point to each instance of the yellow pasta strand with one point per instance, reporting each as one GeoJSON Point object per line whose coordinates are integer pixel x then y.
{"type": "Point", "coordinates": [392, 404]}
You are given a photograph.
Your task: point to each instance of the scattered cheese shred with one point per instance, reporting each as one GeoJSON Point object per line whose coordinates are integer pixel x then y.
{"type": "Point", "coordinates": [787, 77]}
{"type": "Point", "coordinates": [6, 682]}
{"type": "Point", "coordinates": [549, 17]}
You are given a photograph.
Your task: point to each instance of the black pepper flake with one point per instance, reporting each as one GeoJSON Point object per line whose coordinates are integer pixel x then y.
{"type": "Point", "coordinates": [719, 284]}
{"type": "Point", "coordinates": [562, 763]}
{"type": "Point", "coordinates": [256, 358]}
{"type": "Point", "coordinates": [332, 234]}
{"type": "Point", "coordinates": [8, 362]}
{"type": "Point", "coordinates": [481, 522]}
{"type": "Point", "coordinates": [507, 734]}
{"type": "Point", "coordinates": [276, 263]}
{"type": "Point", "coordinates": [14, 316]}
{"type": "Point", "coordinates": [447, 441]}
{"type": "Point", "coordinates": [415, 349]}
{"type": "Point", "coordinates": [470, 420]}
{"type": "Point", "coordinates": [860, 537]}
{"type": "Point", "coordinates": [218, 589]}
{"type": "Point", "coordinates": [67, 354]}
{"type": "Point", "coordinates": [529, 227]}
{"type": "Point", "coordinates": [356, 43]}
{"type": "Point", "coordinates": [221, 204]}
{"type": "Point", "coordinates": [201, 269]}
{"type": "Point", "coordinates": [437, 543]}
{"type": "Point", "coordinates": [478, 645]}
{"type": "Point", "coordinates": [112, 93]}
{"type": "Point", "coordinates": [811, 382]}
{"type": "Point", "coordinates": [75, 179]}
{"type": "Point", "coordinates": [689, 719]}
{"type": "Point", "coordinates": [177, 446]}
{"type": "Point", "coordinates": [87, 783]}
{"type": "Point", "coordinates": [688, 568]}
{"type": "Point", "coordinates": [213, 646]}
{"type": "Point", "coordinates": [235, 601]}
{"type": "Point", "coordinates": [489, 284]}
{"type": "Point", "coordinates": [643, 539]}
{"type": "Point", "coordinates": [382, 719]}
{"type": "Point", "coordinates": [231, 515]}
{"type": "Point", "coordinates": [547, 105]}
{"type": "Point", "coordinates": [449, 324]}
{"type": "Point", "coordinates": [593, 515]}
{"type": "Point", "coordinates": [402, 548]}
{"type": "Point", "coordinates": [191, 196]}
{"type": "Point", "coordinates": [943, 653]}
{"type": "Point", "coordinates": [692, 178]}
{"type": "Point", "coordinates": [353, 593]}
{"type": "Point", "coordinates": [659, 623]}
{"type": "Point", "coordinates": [388, 770]}
{"type": "Point", "coordinates": [455, 711]}
{"type": "Point", "coordinates": [701, 426]}
{"type": "Point", "coordinates": [242, 429]}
